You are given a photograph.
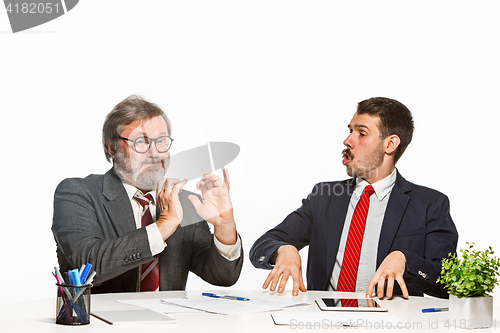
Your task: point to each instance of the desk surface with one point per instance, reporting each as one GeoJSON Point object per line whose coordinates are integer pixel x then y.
{"type": "Point", "coordinates": [39, 316]}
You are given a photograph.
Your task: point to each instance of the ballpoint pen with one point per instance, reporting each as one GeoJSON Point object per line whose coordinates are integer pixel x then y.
{"type": "Point", "coordinates": [434, 310]}
{"type": "Point", "coordinates": [234, 298]}
{"type": "Point", "coordinates": [84, 273]}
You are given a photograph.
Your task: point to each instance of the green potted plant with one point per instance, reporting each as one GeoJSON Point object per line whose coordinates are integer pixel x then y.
{"type": "Point", "coordinates": [469, 281]}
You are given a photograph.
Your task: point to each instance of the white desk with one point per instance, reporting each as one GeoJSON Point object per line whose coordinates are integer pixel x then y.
{"type": "Point", "coordinates": [39, 316]}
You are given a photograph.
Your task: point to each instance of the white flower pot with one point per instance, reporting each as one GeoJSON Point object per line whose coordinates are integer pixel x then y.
{"type": "Point", "coordinates": [471, 312]}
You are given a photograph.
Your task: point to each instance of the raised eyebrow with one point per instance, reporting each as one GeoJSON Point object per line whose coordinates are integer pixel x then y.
{"type": "Point", "coordinates": [362, 126]}
{"type": "Point", "coordinates": [359, 126]}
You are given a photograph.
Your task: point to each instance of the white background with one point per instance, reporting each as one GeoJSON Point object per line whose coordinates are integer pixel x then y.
{"type": "Point", "coordinates": [279, 78]}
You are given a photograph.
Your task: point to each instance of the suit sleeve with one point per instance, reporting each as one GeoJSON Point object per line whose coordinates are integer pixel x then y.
{"type": "Point", "coordinates": [83, 235]}
{"type": "Point", "coordinates": [206, 261]}
{"type": "Point", "coordinates": [423, 269]}
{"type": "Point", "coordinates": [294, 230]}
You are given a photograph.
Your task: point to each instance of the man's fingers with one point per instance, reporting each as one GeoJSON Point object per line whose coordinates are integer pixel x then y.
{"type": "Point", "coordinates": [370, 303]}
{"type": "Point", "coordinates": [274, 281]}
{"type": "Point", "coordinates": [169, 185]}
{"type": "Point", "coordinates": [195, 201]}
{"type": "Point", "coordinates": [210, 178]}
{"type": "Point", "coordinates": [298, 284]}
{"type": "Point", "coordinates": [161, 184]}
{"type": "Point", "coordinates": [226, 178]}
{"type": "Point", "coordinates": [381, 286]}
{"type": "Point", "coordinates": [268, 280]}
{"type": "Point", "coordinates": [390, 286]}
{"type": "Point", "coordinates": [177, 187]}
{"type": "Point", "coordinates": [371, 286]}
{"type": "Point", "coordinates": [271, 276]}
{"type": "Point", "coordinates": [402, 284]}
{"type": "Point", "coordinates": [283, 282]}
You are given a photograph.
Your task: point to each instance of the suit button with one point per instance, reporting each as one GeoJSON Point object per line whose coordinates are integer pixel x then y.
{"type": "Point", "coordinates": [126, 260]}
{"type": "Point", "coordinates": [138, 255]}
{"type": "Point", "coordinates": [134, 256]}
{"type": "Point", "coordinates": [424, 275]}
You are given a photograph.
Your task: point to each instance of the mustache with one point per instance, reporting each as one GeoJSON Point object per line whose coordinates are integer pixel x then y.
{"type": "Point", "coordinates": [347, 152]}
{"type": "Point", "coordinates": [154, 160]}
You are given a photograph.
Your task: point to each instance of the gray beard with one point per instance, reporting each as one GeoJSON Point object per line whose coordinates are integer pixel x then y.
{"type": "Point", "coordinates": [145, 181]}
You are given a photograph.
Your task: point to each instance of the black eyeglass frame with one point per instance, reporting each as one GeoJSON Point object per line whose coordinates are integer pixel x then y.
{"type": "Point", "coordinates": [150, 143]}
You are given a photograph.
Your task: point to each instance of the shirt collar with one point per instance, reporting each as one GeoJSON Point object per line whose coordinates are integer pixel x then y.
{"type": "Point", "coordinates": [131, 191]}
{"type": "Point", "coordinates": [382, 188]}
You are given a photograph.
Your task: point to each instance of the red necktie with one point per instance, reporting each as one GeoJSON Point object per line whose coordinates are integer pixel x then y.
{"type": "Point", "coordinates": [150, 278]}
{"type": "Point", "coordinates": [349, 270]}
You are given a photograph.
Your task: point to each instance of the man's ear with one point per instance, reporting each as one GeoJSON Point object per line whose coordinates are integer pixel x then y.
{"type": "Point", "coordinates": [392, 143]}
{"type": "Point", "coordinates": [111, 150]}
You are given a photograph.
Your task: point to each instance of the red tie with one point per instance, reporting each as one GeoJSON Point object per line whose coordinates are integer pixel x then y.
{"type": "Point", "coordinates": [150, 279]}
{"type": "Point", "coordinates": [349, 270]}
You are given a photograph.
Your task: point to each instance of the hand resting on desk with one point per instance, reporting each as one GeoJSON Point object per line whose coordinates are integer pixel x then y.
{"type": "Point", "coordinates": [288, 263]}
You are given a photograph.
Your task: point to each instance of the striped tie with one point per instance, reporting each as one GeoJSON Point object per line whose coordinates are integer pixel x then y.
{"type": "Point", "coordinates": [150, 278]}
{"type": "Point", "coordinates": [349, 270]}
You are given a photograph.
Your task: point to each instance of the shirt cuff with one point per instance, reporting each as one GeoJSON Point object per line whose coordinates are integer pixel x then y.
{"type": "Point", "coordinates": [230, 252]}
{"type": "Point", "coordinates": [156, 243]}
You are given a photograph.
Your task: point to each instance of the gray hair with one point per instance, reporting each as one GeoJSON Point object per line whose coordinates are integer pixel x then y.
{"type": "Point", "coordinates": [131, 109]}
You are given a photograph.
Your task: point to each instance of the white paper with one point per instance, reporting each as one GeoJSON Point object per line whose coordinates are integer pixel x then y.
{"type": "Point", "coordinates": [125, 317]}
{"type": "Point", "coordinates": [157, 305]}
{"type": "Point", "coordinates": [229, 307]}
{"type": "Point", "coordinates": [333, 319]}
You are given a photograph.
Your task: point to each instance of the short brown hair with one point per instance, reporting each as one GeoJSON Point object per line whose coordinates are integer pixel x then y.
{"type": "Point", "coordinates": [131, 109]}
{"type": "Point", "coordinates": [395, 118]}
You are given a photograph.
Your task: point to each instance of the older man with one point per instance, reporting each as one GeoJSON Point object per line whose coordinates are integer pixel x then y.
{"type": "Point", "coordinates": [142, 232]}
{"type": "Point", "coordinates": [368, 231]}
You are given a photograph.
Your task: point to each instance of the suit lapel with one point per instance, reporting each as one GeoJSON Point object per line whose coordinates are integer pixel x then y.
{"type": "Point", "coordinates": [394, 212]}
{"type": "Point", "coordinates": [336, 218]}
{"type": "Point", "coordinates": [118, 207]}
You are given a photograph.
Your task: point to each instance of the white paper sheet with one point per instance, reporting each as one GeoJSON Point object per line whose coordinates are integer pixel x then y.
{"type": "Point", "coordinates": [157, 305]}
{"type": "Point", "coordinates": [229, 307]}
{"type": "Point", "coordinates": [333, 319]}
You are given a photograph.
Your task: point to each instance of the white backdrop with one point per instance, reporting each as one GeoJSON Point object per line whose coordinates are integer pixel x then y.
{"type": "Point", "coordinates": [279, 78]}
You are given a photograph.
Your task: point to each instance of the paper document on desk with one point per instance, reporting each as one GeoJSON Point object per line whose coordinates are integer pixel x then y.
{"type": "Point", "coordinates": [157, 305]}
{"type": "Point", "coordinates": [332, 319]}
{"type": "Point", "coordinates": [228, 307]}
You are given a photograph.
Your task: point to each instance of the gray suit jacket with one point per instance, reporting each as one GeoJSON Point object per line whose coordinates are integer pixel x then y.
{"type": "Point", "coordinates": [94, 223]}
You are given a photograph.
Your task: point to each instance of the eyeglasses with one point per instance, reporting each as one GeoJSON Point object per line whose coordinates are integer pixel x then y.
{"type": "Point", "coordinates": [142, 145]}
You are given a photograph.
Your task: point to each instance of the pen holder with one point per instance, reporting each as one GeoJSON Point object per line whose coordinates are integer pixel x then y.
{"type": "Point", "coordinates": [73, 304]}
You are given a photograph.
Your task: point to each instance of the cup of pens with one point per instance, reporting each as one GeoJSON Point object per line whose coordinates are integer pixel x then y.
{"type": "Point", "coordinates": [73, 298]}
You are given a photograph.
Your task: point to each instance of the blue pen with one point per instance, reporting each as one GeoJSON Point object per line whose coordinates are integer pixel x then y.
{"type": "Point", "coordinates": [71, 278]}
{"type": "Point", "coordinates": [234, 298]}
{"type": "Point", "coordinates": [434, 310]}
{"type": "Point", "coordinates": [85, 273]}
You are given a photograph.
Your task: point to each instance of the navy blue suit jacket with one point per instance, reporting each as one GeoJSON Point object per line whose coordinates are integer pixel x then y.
{"type": "Point", "coordinates": [417, 222]}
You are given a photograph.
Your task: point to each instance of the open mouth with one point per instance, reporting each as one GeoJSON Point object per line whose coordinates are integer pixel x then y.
{"type": "Point", "coordinates": [346, 157]}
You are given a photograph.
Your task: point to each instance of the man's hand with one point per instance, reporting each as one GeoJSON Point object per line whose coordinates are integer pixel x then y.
{"type": "Point", "coordinates": [392, 268]}
{"type": "Point", "coordinates": [288, 263]}
{"type": "Point", "coordinates": [167, 198]}
{"type": "Point", "coordinates": [216, 208]}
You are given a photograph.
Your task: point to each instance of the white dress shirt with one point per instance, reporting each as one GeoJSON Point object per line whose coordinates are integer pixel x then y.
{"type": "Point", "coordinates": [369, 247]}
